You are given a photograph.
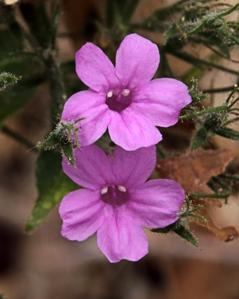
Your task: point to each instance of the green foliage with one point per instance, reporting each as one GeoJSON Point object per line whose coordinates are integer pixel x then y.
{"type": "Point", "coordinates": [29, 69]}
{"type": "Point", "coordinates": [14, 98]}
{"type": "Point", "coordinates": [180, 230]}
{"type": "Point", "coordinates": [199, 19]}
{"type": "Point", "coordinates": [52, 185]}
{"type": "Point", "coordinates": [227, 133]}
{"type": "Point", "coordinates": [213, 120]}
{"type": "Point", "coordinates": [200, 138]}
{"type": "Point", "coordinates": [7, 80]}
{"type": "Point", "coordinates": [11, 41]}
{"type": "Point", "coordinates": [119, 11]}
{"type": "Point", "coordinates": [63, 139]}
{"type": "Point", "coordinates": [195, 22]}
{"type": "Point", "coordinates": [226, 183]}
{"type": "Point", "coordinates": [197, 95]}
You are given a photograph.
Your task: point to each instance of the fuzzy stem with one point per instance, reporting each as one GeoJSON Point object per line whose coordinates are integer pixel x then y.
{"type": "Point", "coordinates": [19, 138]}
{"type": "Point", "coordinates": [57, 88]}
{"type": "Point", "coordinates": [219, 90]}
{"type": "Point", "coordinates": [197, 61]}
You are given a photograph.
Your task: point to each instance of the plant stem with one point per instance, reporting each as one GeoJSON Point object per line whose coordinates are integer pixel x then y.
{"type": "Point", "coordinates": [57, 85]}
{"type": "Point", "coordinates": [209, 195]}
{"type": "Point", "coordinates": [57, 88]}
{"type": "Point", "coordinates": [197, 61]}
{"type": "Point", "coordinates": [19, 138]}
{"type": "Point", "coordinates": [221, 89]}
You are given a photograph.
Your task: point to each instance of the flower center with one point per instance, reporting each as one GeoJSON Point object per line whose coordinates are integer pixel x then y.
{"type": "Point", "coordinates": [118, 100]}
{"type": "Point", "coordinates": [115, 195]}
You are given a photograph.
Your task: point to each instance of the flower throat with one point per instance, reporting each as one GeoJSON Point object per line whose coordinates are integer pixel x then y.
{"type": "Point", "coordinates": [118, 100]}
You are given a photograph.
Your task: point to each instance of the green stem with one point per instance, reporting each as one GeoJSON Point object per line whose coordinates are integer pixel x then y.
{"type": "Point", "coordinates": [199, 62]}
{"type": "Point", "coordinates": [230, 177]}
{"type": "Point", "coordinates": [219, 90]}
{"type": "Point", "coordinates": [19, 138]}
{"type": "Point", "coordinates": [209, 195]}
{"type": "Point", "coordinates": [57, 88]}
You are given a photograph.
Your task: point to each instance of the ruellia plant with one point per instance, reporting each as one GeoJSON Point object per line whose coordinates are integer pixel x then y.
{"type": "Point", "coordinates": [106, 158]}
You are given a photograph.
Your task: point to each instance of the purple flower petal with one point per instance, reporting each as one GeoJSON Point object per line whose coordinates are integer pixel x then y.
{"type": "Point", "coordinates": [81, 213]}
{"type": "Point", "coordinates": [133, 168]}
{"type": "Point", "coordinates": [131, 130]}
{"type": "Point", "coordinates": [94, 68]}
{"type": "Point", "coordinates": [137, 60]}
{"type": "Point", "coordinates": [94, 125]}
{"type": "Point", "coordinates": [89, 113]}
{"type": "Point", "coordinates": [162, 100]}
{"type": "Point", "coordinates": [92, 169]}
{"type": "Point", "coordinates": [80, 104]}
{"type": "Point", "coordinates": [120, 238]}
{"type": "Point", "coordinates": [156, 203]}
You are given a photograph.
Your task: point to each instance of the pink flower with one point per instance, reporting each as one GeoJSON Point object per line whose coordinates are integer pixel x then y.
{"type": "Point", "coordinates": [117, 202]}
{"type": "Point", "coordinates": [123, 98]}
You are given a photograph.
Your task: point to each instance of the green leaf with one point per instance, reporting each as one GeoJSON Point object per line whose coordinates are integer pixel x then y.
{"type": "Point", "coordinates": [184, 233]}
{"type": "Point", "coordinates": [62, 139]}
{"type": "Point", "coordinates": [29, 68]}
{"type": "Point", "coordinates": [180, 230]}
{"type": "Point", "coordinates": [52, 185]}
{"type": "Point", "coordinates": [227, 133]}
{"type": "Point", "coordinates": [13, 99]}
{"type": "Point", "coordinates": [22, 64]}
{"type": "Point", "coordinates": [10, 42]}
{"type": "Point", "coordinates": [215, 118]}
{"type": "Point", "coordinates": [200, 137]}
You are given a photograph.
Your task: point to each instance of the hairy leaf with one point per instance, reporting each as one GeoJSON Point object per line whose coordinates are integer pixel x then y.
{"type": "Point", "coordinates": [180, 230]}
{"type": "Point", "coordinates": [200, 138]}
{"type": "Point", "coordinates": [227, 133]}
{"type": "Point", "coordinates": [186, 234]}
{"type": "Point", "coordinates": [52, 185]}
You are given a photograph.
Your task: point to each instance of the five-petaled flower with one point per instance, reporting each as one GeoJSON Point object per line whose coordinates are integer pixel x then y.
{"type": "Point", "coordinates": [116, 200]}
{"type": "Point", "coordinates": [123, 98]}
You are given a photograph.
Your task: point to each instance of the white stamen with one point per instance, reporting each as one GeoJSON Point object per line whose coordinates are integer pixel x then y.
{"type": "Point", "coordinates": [110, 94]}
{"type": "Point", "coordinates": [121, 188]}
{"type": "Point", "coordinates": [104, 190]}
{"type": "Point", "coordinates": [125, 92]}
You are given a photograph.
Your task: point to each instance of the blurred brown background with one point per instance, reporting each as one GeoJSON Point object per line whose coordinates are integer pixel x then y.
{"type": "Point", "coordinates": [45, 266]}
